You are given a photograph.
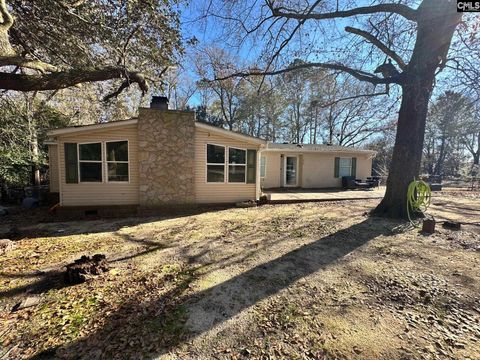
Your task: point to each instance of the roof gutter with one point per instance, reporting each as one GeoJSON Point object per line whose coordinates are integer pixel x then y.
{"type": "Point", "coordinates": [230, 134]}
{"type": "Point", "coordinates": [355, 151]}
{"type": "Point", "coordinates": [75, 129]}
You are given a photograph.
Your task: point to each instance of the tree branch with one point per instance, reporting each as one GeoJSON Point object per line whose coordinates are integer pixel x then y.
{"type": "Point", "coordinates": [6, 22]}
{"type": "Point", "coordinates": [7, 18]}
{"type": "Point", "coordinates": [65, 79]}
{"type": "Point", "coordinates": [373, 40]}
{"type": "Point", "coordinates": [400, 9]}
{"type": "Point", "coordinates": [358, 74]}
{"type": "Point", "coordinates": [76, 3]}
{"type": "Point", "coordinates": [288, 39]}
{"type": "Point", "coordinates": [20, 61]}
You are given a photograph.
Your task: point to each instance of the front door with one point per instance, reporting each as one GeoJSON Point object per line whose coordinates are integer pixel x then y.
{"type": "Point", "coordinates": [291, 165]}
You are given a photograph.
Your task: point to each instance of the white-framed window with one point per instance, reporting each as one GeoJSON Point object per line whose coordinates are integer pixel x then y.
{"type": "Point", "coordinates": [345, 167]}
{"type": "Point", "coordinates": [225, 164]}
{"type": "Point", "coordinates": [215, 163]}
{"type": "Point", "coordinates": [117, 161]}
{"type": "Point", "coordinates": [263, 166]}
{"type": "Point", "coordinates": [90, 165]}
{"type": "Point", "coordinates": [237, 165]}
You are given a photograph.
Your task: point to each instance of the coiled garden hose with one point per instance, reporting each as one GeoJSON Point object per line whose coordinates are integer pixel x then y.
{"type": "Point", "coordinates": [419, 197]}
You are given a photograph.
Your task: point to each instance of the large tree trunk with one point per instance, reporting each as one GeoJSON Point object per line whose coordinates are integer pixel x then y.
{"type": "Point", "coordinates": [437, 20]}
{"type": "Point", "coordinates": [407, 153]}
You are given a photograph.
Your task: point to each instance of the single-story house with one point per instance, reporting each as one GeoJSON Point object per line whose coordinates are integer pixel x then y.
{"type": "Point", "coordinates": [312, 166]}
{"type": "Point", "coordinates": [164, 157]}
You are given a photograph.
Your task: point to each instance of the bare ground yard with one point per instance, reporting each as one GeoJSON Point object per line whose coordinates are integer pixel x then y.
{"type": "Point", "coordinates": [314, 280]}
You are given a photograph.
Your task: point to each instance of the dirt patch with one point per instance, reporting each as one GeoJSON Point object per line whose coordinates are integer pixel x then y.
{"type": "Point", "coordinates": [84, 320]}
{"type": "Point", "coordinates": [310, 280]}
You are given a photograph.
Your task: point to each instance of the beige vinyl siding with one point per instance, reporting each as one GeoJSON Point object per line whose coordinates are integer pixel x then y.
{"type": "Point", "coordinates": [316, 170]}
{"type": "Point", "coordinates": [364, 166]}
{"type": "Point", "coordinates": [53, 168]}
{"type": "Point", "coordinates": [209, 193]}
{"type": "Point", "coordinates": [272, 170]}
{"type": "Point", "coordinates": [104, 193]}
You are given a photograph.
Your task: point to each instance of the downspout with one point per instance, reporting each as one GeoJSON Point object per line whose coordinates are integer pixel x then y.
{"type": "Point", "coordinates": [60, 165]}
{"type": "Point", "coordinates": [258, 189]}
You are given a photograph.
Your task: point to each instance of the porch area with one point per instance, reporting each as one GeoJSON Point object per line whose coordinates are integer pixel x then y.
{"type": "Point", "coordinates": [294, 195]}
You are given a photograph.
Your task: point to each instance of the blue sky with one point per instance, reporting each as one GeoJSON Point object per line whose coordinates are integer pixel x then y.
{"type": "Point", "coordinates": [209, 30]}
{"type": "Point", "coordinates": [334, 43]}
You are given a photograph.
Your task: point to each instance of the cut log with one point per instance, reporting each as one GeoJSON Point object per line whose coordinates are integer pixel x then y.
{"type": "Point", "coordinates": [85, 267]}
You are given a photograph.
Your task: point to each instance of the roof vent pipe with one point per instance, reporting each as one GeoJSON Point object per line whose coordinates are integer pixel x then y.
{"type": "Point", "coordinates": [159, 102]}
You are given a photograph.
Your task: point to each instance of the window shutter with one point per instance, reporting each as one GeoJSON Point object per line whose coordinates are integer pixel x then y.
{"type": "Point", "coordinates": [251, 166]}
{"type": "Point", "coordinates": [354, 167]}
{"type": "Point", "coordinates": [337, 167]}
{"type": "Point", "coordinates": [71, 163]}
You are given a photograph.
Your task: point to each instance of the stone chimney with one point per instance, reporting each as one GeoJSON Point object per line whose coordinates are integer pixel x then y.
{"type": "Point", "coordinates": [159, 102]}
{"type": "Point", "coordinates": [166, 140]}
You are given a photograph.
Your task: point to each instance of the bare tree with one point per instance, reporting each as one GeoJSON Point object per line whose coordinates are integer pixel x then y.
{"type": "Point", "coordinates": [215, 62]}
{"type": "Point", "coordinates": [470, 137]}
{"type": "Point", "coordinates": [449, 114]}
{"type": "Point", "coordinates": [348, 117]}
{"type": "Point", "coordinates": [180, 87]}
{"type": "Point", "coordinates": [396, 31]}
{"type": "Point", "coordinates": [295, 90]}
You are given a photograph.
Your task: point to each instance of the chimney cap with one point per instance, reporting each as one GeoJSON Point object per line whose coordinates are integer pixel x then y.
{"type": "Point", "coordinates": [162, 99]}
{"type": "Point", "coordinates": [159, 102]}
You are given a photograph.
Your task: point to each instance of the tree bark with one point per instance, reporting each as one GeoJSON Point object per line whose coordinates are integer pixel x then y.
{"type": "Point", "coordinates": [64, 79]}
{"type": "Point", "coordinates": [437, 20]}
{"type": "Point", "coordinates": [407, 152]}
{"type": "Point", "coordinates": [6, 22]}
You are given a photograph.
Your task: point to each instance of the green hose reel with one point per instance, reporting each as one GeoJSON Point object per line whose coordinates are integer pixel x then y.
{"type": "Point", "coordinates": [419, 197]}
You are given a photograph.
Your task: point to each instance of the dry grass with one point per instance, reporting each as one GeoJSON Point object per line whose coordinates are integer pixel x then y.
{"type": "Point", "coordinates": [286, 281]}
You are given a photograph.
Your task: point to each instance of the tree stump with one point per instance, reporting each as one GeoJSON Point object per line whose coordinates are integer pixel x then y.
{"type": "Point", "coordinates": [85, 267]}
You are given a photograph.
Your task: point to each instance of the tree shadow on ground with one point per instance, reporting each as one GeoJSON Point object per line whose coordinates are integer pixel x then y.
{"type": "Point", "coordinates": [45, 281]}
{"type": "Point", "coordinates": [151, 332]}
{"type": "Point", "coordinates": [57, 226]}
{"type": "Point", "coordinates": [54, 278]}
{"type": "Point", "coordinates": [459, 211]}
